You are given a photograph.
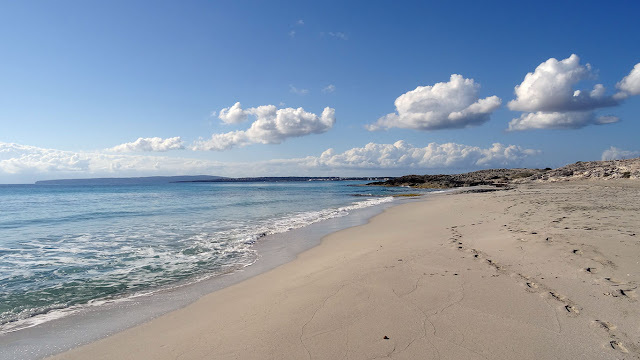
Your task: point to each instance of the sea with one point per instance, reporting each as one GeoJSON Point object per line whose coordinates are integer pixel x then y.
{"type": "Point", "coordinates": [65, 248]}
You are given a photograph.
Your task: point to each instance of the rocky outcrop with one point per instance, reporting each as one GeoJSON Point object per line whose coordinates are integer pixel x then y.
{"type": "Point", "coordinates": [604, 170]}
{"type": "Point", "coordinates": [495, 177]}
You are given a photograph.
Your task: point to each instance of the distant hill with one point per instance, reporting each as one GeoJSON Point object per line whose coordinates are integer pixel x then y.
{"type": "Point", "coordinates": [148, 180]}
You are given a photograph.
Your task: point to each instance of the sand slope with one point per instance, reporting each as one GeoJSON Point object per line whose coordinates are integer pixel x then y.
{"type": "Point", "coordinates": [540, 272]}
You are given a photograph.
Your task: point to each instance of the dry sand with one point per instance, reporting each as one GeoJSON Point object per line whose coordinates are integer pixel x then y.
{"type": "Point", "coordinates": [538, 272]}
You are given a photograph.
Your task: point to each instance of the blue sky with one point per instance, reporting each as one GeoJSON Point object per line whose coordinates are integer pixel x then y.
{"type": "Point", "coordinates": [80, 78]}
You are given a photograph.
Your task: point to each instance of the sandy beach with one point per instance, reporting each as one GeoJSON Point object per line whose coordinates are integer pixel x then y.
{"type": "Point", "coordinates": [544, 271]}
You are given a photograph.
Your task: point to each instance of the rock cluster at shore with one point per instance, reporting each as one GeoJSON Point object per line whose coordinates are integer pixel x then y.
{"type": "Point", "coordinates": [603, 170]}
{"type": "Point", "coordinates": [495, 177]}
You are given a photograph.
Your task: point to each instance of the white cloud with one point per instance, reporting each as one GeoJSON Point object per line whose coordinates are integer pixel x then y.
{"type": "Point", "coordinates": [630, 84]}
{"type": "Point", "coordinates": [233, 115]}
{"type": "Point", "coordinates": [150, 144]}
{"type": "Point", "coordinates": [551, 102]}
{"type": "Point", "coordinates": [21, 163]}
{"type": "Point", "coordinates": [272, 126]}
{"type": "Point", "coordinates": [339, 35]}
{"type": "Point", "coordinates": [406, 156]}
{"type": "Point", "coordinates": [613, 153]}
{"type": "Point", "coordinates": [295, 90]}
{"type": "Point", "coordinates": [445, 105]}
{"type": "Point", "coordinates": [559, 120]}
{"type": "Point", "coordinates": [329, 88]}
{"type": "Point", "coordinates": [300, 22]}
{"type": "Point", "coordinates": [292, 33]}
{"type": "Point", "coordinates": [550, 88]}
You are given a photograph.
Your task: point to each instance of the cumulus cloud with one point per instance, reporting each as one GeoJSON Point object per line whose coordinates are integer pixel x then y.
{"type": "Point", "coordinates": [614, 153]}
{"type": "Point", "coordinates": [150, 144]}
{"type": "Point", "coordinates": [630, 84]}
{"type": "Point", "coordinates": [551, 102]}
{"type": "Point", "coordinates": [403, 155]}
{"type": "Point", "coordinates": [550, 88]}
{"type": "Point", "coordinates": [272, 126]}
{"type": "Point", "coordinates": [559, 120]}
{"type": "Point", "coordinates": [233, 114]}
{"type": "Point", "coordinates": [445, 105]}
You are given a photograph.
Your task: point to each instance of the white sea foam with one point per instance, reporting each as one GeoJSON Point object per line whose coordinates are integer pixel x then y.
{"type": "Point", "coordinates": [233, 246]}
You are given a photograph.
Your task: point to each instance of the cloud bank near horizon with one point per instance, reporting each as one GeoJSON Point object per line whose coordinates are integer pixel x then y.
{"type": "Point", "coordinates": [33, 163]}
{"type": "Point", "coordinates": [154, 144]}
{"type": "Point", "coordinates": [401, 155]}
{"type": "Point", "coordinates": [272, 126]}
{"type": "Point", "coordinates": [446, 105]}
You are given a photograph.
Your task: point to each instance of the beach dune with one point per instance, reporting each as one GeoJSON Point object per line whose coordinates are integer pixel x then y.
{"type": "Point", "coordinates": [542, 271]}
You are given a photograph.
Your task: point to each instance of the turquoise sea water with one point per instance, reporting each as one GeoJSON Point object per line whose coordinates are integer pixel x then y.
{"type": "Point", "coordinates": [63, 247]}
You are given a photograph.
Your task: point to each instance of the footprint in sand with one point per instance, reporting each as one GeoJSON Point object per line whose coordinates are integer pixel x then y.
{"type": "Point", "coordinates": [577, 251]}
{"type": "Point", "coordinates": [617, 345]}
{"type": "Point", "coordinates": [629, 294]}
{"type": "Point", "coordinates": [614, 281]}
{"type": "Point", "coordinates": [532, 285]}
{"type": "Point", "coordinates": [609, 327]}
{"type": "Point", "coordinates": [572, 309]}
{"type": "Point", "coordinates": [556, 296]}
{"type": "Point", "coordinates": [591, 270]}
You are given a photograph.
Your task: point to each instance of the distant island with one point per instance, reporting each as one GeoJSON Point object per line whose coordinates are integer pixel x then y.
{"type": "Point", "coordinates": [146, 180]}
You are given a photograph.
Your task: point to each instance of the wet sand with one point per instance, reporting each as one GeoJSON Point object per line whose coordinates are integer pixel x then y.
{"type": "Point", "coordinates": [537, 272]}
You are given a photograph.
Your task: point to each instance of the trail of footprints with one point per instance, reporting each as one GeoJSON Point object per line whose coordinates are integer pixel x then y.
{"type": "Point", "coordinates": [571, 308]}
{"type": "Point", "coordinates": [620, 289]}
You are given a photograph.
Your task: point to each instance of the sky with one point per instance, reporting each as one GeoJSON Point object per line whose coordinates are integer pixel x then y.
{"type": "Point", "coordinates": [323, 88]}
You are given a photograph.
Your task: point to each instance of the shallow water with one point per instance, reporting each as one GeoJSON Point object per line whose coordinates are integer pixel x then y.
{"type": "Point", "coordinates": [64, 248]}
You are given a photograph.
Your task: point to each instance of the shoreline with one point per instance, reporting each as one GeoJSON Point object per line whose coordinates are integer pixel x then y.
{"type": "Point", "coordinates": [541, 271]}
{"type": "Point", "coordinates": [497, 275]}
{"type": "Point", "coordinates": [91, 323]}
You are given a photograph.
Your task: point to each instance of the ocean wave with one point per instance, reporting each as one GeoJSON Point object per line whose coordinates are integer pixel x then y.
{"type": "Point", "coordinates": [88, 270]}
